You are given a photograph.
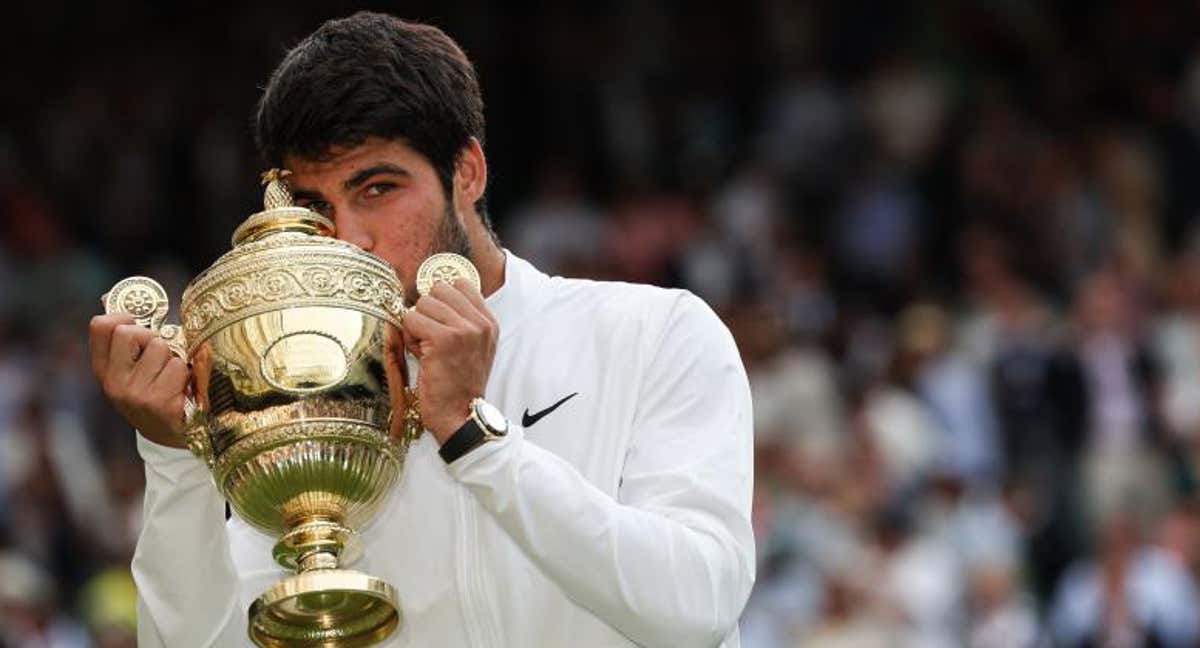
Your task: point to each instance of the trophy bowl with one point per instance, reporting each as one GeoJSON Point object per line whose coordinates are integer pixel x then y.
{"type": "Point", "coordinates": [291, 337]}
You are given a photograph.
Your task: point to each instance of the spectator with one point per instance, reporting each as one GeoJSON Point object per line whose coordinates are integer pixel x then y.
{"type": "Point", "coordinates": [1132, 593]}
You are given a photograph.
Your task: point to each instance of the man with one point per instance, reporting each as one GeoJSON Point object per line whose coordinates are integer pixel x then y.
{"type": "Point", "coordinates": [615, 511]}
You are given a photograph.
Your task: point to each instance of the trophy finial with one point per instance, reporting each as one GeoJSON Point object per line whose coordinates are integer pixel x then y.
{"type": "Point", "coordinates": [277, 194]}
{"type": "Point", "coordinates": [280, 213]}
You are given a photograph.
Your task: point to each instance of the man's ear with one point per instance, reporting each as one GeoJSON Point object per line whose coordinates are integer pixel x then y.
{"type": "Point", "coordinates": [470, 174]}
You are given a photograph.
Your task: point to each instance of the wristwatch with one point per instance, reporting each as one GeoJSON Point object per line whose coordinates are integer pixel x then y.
{"type": "Point", "coordinates": [485, 424]}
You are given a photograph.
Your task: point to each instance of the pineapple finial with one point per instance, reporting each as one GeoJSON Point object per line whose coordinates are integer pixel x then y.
{"type": "Point", "coordinates": [277, 194]}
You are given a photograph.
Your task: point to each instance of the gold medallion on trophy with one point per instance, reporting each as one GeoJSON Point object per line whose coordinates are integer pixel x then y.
{"type": "Point", "coordinates": [447, 267]}
{"type": "Point", "coordinates": [141, 297]}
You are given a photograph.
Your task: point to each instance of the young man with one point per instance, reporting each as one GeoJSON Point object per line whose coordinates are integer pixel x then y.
{"type": "Point", "coordinates": [614, 512]}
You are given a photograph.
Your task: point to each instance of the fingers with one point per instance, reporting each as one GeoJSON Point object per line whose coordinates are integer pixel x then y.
{"type": "Point", "coordinates": [156, 408]}
{"type": "Point", "coordinates": [456, 298]}
{"type": "Point", "coordinates": [453, 308]}
{"type": "Point", "coordinates": [170, 385]}
{"type": "Point", "coordinates": [421, 326]}
{"type": "Point", "coordinates": [472, 293]}
{"type": "Point", "coordinates": [151, 363]}
{"type": "Point", "coordinates": [173, 378]}
{"type": "Point", "coordinates": [448, 312]}
{"type": "Point", "coordinates": [128, 341]}
{"type": "Point", "coordinates": [440, 310]}
{"type": "Point", "coordinates": [141, 376]}
{"type": "Point", "coordinates": [100, 331]}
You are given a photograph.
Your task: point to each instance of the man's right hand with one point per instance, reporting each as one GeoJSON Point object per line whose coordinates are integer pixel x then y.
{"type": "Point", "coordinates": [140, 375]}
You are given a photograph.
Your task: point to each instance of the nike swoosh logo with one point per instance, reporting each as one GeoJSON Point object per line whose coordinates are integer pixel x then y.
{"type": "Point", "coordinates": [528, 419]}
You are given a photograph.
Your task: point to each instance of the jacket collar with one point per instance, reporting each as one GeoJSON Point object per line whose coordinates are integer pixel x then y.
{"type": "Point", "coordinates": [520, 293]}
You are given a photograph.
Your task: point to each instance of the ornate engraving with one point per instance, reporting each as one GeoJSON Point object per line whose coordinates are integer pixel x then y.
{"type": "Point", "coordinates": [289, 277]}
{"type": "Point", "coordinates": [341, 430]}
{"type": "Point", "coordinates": [447, 267]}
{"type": "Point", "coordinates": [277, 194]}
{"type": "Point", "coordinates": [138, 302]}
{"type": "Point", "coordinates": [320, 281]}
{"type": "Point", "coordinates": [142, 297]}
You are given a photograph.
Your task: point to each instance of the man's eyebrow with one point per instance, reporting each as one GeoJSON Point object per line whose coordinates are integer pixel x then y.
{"type": "Point", "coordinates": [363, 175]}
{"type": "Point", "coordinates": [306, 194]}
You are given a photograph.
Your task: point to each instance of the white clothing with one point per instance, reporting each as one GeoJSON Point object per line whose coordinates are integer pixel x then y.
{"type": "Point", "coordinates": [621, 518]}
{"type": "Point", "coordinates": [1159, 591]}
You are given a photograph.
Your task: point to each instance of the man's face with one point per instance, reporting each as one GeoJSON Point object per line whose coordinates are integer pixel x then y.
{"type": "Point", "coordinates": [384, 197]}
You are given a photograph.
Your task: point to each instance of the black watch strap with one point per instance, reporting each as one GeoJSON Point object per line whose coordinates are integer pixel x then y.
{"type": "Point", "coordinates": [462, 441]}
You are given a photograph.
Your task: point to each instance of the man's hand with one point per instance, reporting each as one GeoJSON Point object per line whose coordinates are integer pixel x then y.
{"type": "Point", "coordinates": [140, 375]}
{"type": "Point", "coordinates": [453, 335]}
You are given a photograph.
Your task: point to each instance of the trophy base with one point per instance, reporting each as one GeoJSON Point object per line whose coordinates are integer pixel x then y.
{"type": "Point", "coordinates": [325, 608]}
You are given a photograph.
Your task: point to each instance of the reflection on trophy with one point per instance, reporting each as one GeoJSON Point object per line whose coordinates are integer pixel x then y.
{"type": "Point", "coordinates": [291, 337]}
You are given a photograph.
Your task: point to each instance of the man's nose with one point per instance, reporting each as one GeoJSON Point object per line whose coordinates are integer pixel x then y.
{"type": "Point", "coordinates": [351, 229]}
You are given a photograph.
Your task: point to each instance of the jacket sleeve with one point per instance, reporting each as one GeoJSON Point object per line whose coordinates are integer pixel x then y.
{"type": "Point", "coordinates": [186, 583]}
{"type": "Point", "coordinates": [670, 561]}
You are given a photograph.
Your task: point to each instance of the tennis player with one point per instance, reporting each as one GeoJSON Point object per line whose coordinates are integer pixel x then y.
{"type": "Point", "coordinates": [609, 502]}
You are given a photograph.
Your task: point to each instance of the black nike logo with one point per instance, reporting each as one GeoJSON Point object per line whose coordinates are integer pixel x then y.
{"type": "Point", "coordinates": [527, 419]}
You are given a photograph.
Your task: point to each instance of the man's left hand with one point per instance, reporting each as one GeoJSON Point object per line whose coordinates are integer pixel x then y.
{"type": "Point", "coordinates": [453, 335]}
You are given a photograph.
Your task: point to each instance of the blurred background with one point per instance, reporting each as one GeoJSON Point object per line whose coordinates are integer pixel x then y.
{"type": "Point", "coordinates": [958, 243]}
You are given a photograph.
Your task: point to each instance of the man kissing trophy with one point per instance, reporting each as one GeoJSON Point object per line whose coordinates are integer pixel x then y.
{"type": "Point", "coordinates": [577, 455]}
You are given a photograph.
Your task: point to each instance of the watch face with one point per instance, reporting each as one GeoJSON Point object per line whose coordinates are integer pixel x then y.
{"type": "Point", "coordinates": [491, 417]}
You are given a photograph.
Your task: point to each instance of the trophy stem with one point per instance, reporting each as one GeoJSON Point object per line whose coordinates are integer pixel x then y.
{"type": "Point", "coordinates": [317, 560]}
{"type": "Point", "coordinates": [315, 543]}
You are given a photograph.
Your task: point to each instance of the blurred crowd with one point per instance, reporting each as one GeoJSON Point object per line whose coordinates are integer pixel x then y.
{"type": "Point", "coordinates": [958, 244]}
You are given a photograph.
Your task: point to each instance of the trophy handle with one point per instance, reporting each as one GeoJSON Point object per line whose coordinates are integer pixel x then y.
{"type": "Point", "coordinates": [413, 426]}
{"type": "Point", "coordinates": [146, 300]}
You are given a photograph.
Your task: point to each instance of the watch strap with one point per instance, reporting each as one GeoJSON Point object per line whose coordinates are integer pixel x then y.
{"type": "Point", "coordinates": [462, 441]}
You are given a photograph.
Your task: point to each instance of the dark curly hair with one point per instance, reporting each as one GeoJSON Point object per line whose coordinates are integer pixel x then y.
{"type": "Point", "coordinates": [373, 75]}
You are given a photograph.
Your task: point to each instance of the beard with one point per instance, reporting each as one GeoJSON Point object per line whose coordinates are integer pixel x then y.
{"type": "Point", "coordinates": [451, 235]}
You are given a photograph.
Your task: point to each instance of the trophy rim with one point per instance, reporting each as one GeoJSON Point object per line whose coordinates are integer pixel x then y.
{"type": "Point", "coordinates": [305, 270]}
{"type": "Point", "coordinates": [354, 585]}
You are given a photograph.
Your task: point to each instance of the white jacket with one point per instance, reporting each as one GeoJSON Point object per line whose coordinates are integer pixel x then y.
{"type": "Point", "coordinates": [620, 518]}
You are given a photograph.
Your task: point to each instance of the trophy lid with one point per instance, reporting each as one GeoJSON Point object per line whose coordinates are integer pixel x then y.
{"type": "Point", "coordinates": [280, 214]}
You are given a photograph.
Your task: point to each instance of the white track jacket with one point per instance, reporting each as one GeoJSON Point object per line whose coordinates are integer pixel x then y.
{"type": "Point", "coordinates": [620, 518]}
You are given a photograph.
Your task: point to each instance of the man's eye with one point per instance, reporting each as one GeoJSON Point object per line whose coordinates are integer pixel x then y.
{"type": "Point", "coordinates": [319, 206]}
{"type": "Point", "coordinates": [379, 188]}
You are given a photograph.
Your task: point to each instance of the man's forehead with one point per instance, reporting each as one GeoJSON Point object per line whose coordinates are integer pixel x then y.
{"type": "Point", "coordinates": [333, 158]}
{"type": "Point", "coordinates": [340, 163]}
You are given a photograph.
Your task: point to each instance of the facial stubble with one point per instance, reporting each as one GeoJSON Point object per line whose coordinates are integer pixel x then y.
{"type": "Point", "coordinates": [451, 236]}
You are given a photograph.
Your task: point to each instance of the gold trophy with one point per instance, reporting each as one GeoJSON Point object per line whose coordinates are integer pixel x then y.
{"type": "Point", "coordinates": [292, 338]}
